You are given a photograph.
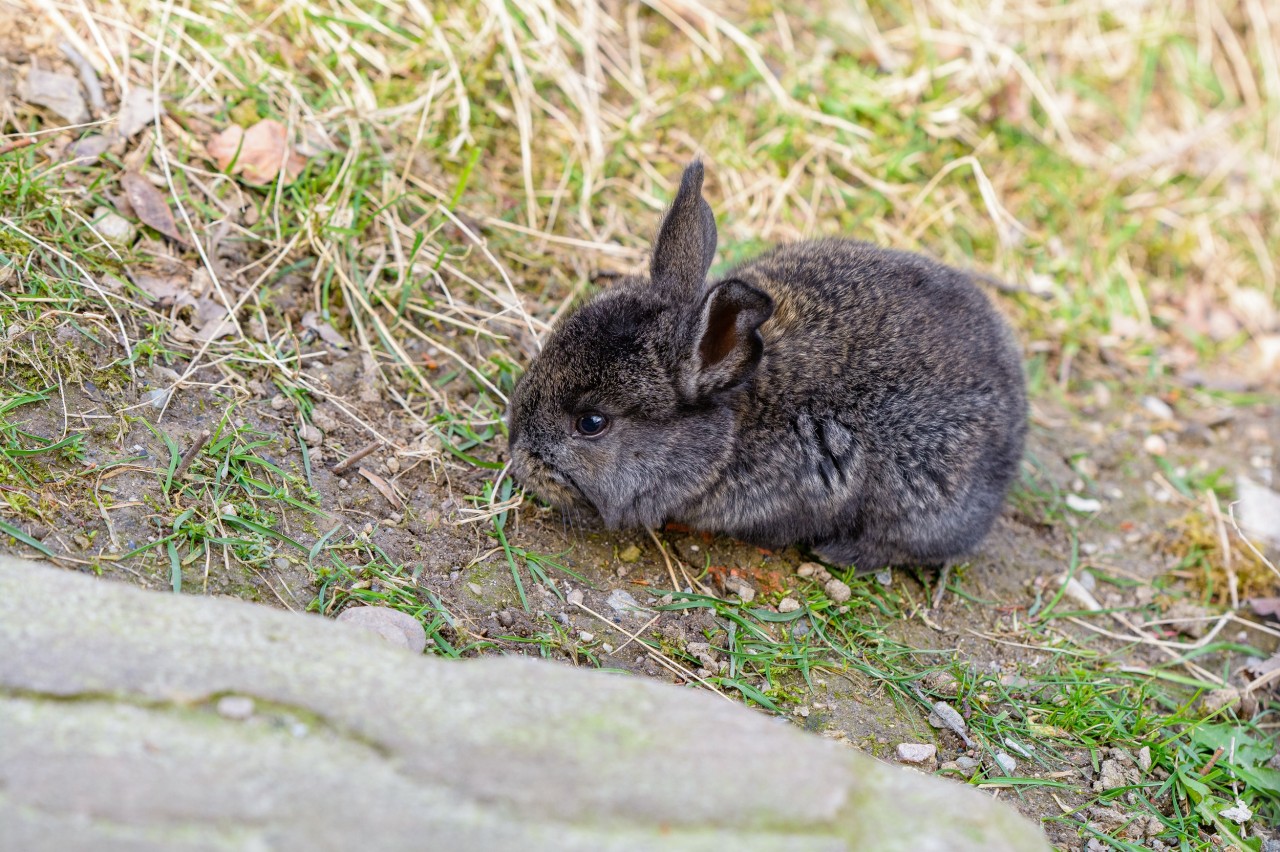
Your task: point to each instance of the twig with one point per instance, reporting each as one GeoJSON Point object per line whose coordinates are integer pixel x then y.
{"type": "Point", "coordinates": [658, 657]}
{"type": "Point", "coordinates": [1204, 770]}
{"type": "Point", "coordinates": [675, 584]}
{"type": "Point", "coordinates": [1233, 582]}
{"type": "Point", "coordinates": [16, 145]}
{"type": "Point", "coordinates": [350, 461]}
{"type": "Point", "coordinates": [190, 455]}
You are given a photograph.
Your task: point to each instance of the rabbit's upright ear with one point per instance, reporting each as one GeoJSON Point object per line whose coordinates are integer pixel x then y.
{"type": "Point", "coordinates": [726, 345]}
{"type": "Point", "coordinates": [686, 242]}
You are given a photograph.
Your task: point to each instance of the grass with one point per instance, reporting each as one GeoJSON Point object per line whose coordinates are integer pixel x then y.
{"type": "Point", "coordinates": [471, 169]}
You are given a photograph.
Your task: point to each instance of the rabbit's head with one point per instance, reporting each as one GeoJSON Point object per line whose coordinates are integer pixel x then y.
{"type": "Point", "coordinates": [629, 408]}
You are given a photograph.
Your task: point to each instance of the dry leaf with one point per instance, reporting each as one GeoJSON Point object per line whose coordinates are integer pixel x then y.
{"type": "Point", "coordinates": [150, 205]}
{"type": "Point", "coordinates": [1265, 606]}
{"type": "Point", "coordinates": [383, 487]}
{"type": "Point", "coordinates": [311, 320]}
{"type": "Point", "coordinates": [59, 93]}
{"type": "Point", "coordinates": [167, 290]}
{"type": "Point", "coordinates": [88, 148]}
{"type": "Point", "coordinates": [137, 111]}
{"type": "Point", "coordinates": [258, 154]}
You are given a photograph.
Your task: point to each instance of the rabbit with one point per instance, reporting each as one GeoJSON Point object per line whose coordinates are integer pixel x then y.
{"type": "Point", "coordinates": [867, 404]}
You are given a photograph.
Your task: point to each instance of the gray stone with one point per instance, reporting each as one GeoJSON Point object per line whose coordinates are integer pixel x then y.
{"type": "Point", "coordinates": [112, 742]}
{"type": "Point", "coordinates": [113, 227]}
{"type": "Point", "coordinates": [917, 752]}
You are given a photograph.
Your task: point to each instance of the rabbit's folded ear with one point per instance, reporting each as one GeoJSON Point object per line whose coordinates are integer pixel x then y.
{"type": "Point", "coordinates": [686, 242]}
{"type": "Point", "coordinates": [726, 345]}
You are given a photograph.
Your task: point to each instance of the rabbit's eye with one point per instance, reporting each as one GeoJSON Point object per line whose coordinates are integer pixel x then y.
{"type": "Point", "coordinates": [593, 424]}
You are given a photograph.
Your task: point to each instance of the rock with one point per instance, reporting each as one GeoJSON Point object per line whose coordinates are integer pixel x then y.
{"type": "Point", "coordinates": [398, 628]}
{"type": "Point", "coordinates": [235, 707]}
{"type": "Point", "coordinates": [58, 93]}
{"type": "Point", "coordinates": [107, 746]}
{"type": "Point", "coordinates": [788, 605]}
{"type": "Point", "coordinates": [885, 577]}
{"type": "Point", "coordinates": [1112, 774]}
{"type": "Point", "coordinates": [1083, 505]}
{"type": "Point", "coordinates": [311, 435]}
{"type": "Point", "coordinates": [1006, 763]}
{"type": "Point", "coordinates": [1259, 511]}
{"type": "Point", "coordinates": [942, 682]}
{"type": "Point", "coordinates": [951, 719]}
{"type": "Point", "coordinates": [505, 618]}
{"type": "Point", "coordinates": [1144, 759]}
{"type": "Point", "coordinates": [744, 592]}
{"type": "Point", "coordinates": [113, 227]}
{"type": "Point", "coordinates": [813, 571]}
{"type": "Point", "coordinates": [630, 554]}
{"type": "Point", "coordinates": [1158, 408]}
{"type": "Point", "coordinates": [1155, 445]}
{"type": "Point", "coordinates": [917, 753]}
{"type": "Point", "coordinates": [621, 602]}
{"type": "Point", "coordinates": [576, 598]}
{"type": "Point", "coordinates": [967, 763]}
{"type": "Point", "coordinates": [838, 591]}
{"type": "Point", "coordinates": [476, 589]}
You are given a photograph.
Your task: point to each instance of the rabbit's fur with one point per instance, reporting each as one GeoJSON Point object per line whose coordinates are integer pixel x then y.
{"type": "Point", "coordinates": [867, 403]}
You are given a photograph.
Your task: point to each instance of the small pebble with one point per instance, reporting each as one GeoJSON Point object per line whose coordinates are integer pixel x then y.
{"type": "Point", "coordinates": [239, 707]}
{"type": "Point", "coordinates": [885, 577]}
{"type": "Point", "coordinates": [311, 435]}
{"type": "Point", "coordinates": [838, 591]}
{"type": "Point", "coordinates": [281, 563]}
{"type": "Point", "coordinates": [586, 637]}
{"type": "Point", "coordinates": [575, 597]}
{"type": "Point", "coordinates": [967, 763]}
{"type": "Point", "coordinates": [506, 619]}
{"type": "Point", "coordinates": [475, 589]}
{"type": "Point", "coordinates": [1158, 407]}
{"type": "Point", "coordinates": [745, 593]}
{"type": "Point", "coordinates": [1083, 505]}
{"type": "Point", "coordinates": [917, 752]}
{"type": "Point", "coordinates": [343, 485]}
{"type": "Point", "coordinates": [393, 465]}
{"type": "Point", "coordinates": [1155, 445]}
{"type": "Point", "coordinates": [1006, 763]}
{"type": "Point", "coordinates": [630, 554]}
{"type": "Point", "coordinates": [788, 605]}
{"type": "Point", "coordinates": [113, 227]}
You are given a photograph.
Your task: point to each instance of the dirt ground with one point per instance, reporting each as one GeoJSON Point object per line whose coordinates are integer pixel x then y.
{"type": "Point", "coordinates": [1134, 546]}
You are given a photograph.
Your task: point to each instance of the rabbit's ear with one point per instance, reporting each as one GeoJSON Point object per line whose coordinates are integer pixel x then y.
{"type": "Point", "coordinates": [726, 344]}
{"type": "Point", "coordinates": [686, 242]}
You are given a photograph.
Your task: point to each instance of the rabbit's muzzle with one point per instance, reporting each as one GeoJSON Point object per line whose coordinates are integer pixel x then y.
{"type": "Point", "coordinates": [536, 475]}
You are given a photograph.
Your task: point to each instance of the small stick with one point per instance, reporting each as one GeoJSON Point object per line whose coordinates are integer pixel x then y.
{"type": "Point", "coordinates": [350, 461]}
{"type": "Point", "coordinates": [1204, 770]}
{"type": "Point", "coordinates": [190, 455]}
{"type": "Point", "coordinates": [675, 584]}
{"type": "Point", "coordinates": [16, 145]}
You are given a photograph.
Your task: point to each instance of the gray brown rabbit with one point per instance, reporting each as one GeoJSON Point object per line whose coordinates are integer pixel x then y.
{"type": "Point", "coordinates": [869, 404]}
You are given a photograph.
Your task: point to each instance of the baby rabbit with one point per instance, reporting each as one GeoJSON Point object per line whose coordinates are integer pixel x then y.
{"type": "Point", "coordinates": [869, 404]}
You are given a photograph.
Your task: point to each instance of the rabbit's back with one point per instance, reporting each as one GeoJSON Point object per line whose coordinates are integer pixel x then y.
{"type": "Point", "coordinates": [890, 396]}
